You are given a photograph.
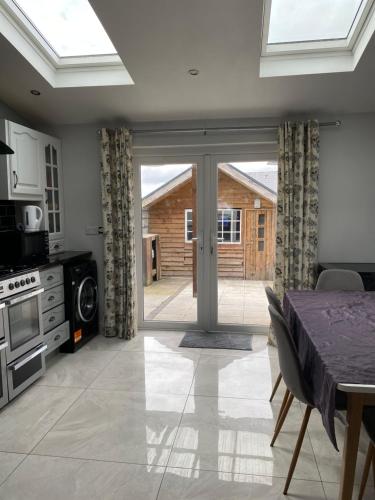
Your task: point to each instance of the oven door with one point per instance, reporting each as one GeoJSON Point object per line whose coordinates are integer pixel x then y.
{"type": "Point", "coordinates": [23, 323]}
{"type": "Point", "coordinates": [26, 370]}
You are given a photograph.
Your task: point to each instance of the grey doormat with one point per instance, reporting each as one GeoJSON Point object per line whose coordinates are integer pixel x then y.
{"type": "Point", "coordinates": [238, 341]}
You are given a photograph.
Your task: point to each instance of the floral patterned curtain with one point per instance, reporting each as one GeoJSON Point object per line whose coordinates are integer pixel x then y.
{"type": "Point", "coordinates": [118, 225]}
{"type": "Point", "coordinates": [297, 207]}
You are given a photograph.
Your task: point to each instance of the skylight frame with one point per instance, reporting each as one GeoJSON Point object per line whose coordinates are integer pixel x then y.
{"type": "Point", "coordinates": [317, 56]}
{"type": "Point", "coordinates": [66, 71]}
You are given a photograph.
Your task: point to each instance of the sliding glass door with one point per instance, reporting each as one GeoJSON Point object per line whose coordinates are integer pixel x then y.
{"type": "Point", "coordinates": [205, 242]}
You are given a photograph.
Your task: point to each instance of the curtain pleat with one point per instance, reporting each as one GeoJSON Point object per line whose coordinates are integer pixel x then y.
{"type": "Point", "coordinates": [117, 180]}
{"type": "Point", "coordinates": [297, 207]}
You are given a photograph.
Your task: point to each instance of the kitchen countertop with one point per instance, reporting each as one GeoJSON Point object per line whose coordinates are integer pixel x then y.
{"type": "Point", "coordinates": [64, 258]}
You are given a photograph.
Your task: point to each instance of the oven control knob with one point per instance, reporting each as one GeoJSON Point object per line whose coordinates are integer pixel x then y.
{"type": "Point", "coordinates": [17, 284]}
{"type": "Point", "coordinates": [22, 282]}
{"type": "Point", "coordinates": [11, 286]}
{"type": "Point", "coordinates": [32, 279]}
{"type": "Point", "coordinates": [28, 281]}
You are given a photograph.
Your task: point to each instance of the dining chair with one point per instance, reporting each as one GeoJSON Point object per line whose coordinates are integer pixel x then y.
{"type": "Point", "coordinates": [369, 423]}
{"type": "Point", "coordinates": [340, 279]}
{"type": "Point", "coordinates": [292, 374]}
{"type": "Point", "coordinates": [275, 302]}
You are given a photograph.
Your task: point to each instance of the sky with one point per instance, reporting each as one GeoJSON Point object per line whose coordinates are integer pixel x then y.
{"type": "Point", "coordinates": [298, 20]}
{"type": "Point", "coordinates": [154, 176]}
{"type": "Point", "coordinates": [71, 27]}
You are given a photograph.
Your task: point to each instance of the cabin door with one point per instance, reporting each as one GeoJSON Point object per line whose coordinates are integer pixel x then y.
{"type": "Point", "coordinates": [259, 244]}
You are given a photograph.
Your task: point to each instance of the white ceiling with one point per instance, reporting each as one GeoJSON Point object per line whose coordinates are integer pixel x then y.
{"type": "Point", "coordinates": [158, 42]}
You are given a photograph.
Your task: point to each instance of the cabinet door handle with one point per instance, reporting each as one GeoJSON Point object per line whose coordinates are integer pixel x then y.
{"type": "Point", "coordinates": [15, 179]}
{"type": "Point", "coordinates": [57, 337]}
{"type": "Point", "coordinates": [50, 298]}
{"type": "Point", "coordinates": [52, 318]}
{"type": "Point", "coordinates": [50, 277]}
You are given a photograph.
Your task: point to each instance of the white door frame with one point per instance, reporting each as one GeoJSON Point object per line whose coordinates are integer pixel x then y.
{"type": "Point", "coordinates": [207, 283]}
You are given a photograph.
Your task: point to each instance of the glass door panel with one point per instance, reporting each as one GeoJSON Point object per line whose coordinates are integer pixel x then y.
{"type": "Point", "coordinates": [245, 247]}
{"type": "Point", "coordinates": [169, 242]}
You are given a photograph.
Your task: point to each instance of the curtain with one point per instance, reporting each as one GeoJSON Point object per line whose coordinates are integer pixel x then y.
{"type": "Point", "coordinates": [297, 207]}
{"type": "Point", "coordinates": [118, 230]}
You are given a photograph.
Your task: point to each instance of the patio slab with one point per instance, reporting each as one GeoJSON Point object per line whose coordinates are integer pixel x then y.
{"type": "Point", "coordinates": [242, 302]}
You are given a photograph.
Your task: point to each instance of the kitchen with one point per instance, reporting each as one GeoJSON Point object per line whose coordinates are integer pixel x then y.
{"type": "Point", "coordinates": [48, 296]}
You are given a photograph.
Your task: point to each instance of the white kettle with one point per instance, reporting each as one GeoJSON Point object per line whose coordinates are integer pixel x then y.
{"type": "Point", "coordinates": [32, 216]}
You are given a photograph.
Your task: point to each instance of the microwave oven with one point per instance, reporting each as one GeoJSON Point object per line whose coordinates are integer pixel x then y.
{"type": "Point", "coordinates": [17, 247]}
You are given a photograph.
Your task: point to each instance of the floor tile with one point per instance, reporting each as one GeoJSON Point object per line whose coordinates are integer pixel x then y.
{"type": "Point", "coordinates": [156, 372]}
{"type": "Point", "coordinates": [8, 462]}
{"type": "Point", "coordinates": [187, 484]}
{"type": "Point", "coordinates": [332, 491]}
{"type": "Point", "coordinates": [231, 377]}
{"type": "Point", "coordinates": [157, 342]}
{"type": "Point", "coordinates": [75, 370]}
{"type": "Point", "coordinates": [119, 426]}
{"type": "Point", "coordinates": [101, 343]}
{"type": "Point", "coordinates": [328, 459]}
{"type": "Point", "coordinates": [26, 419]}
{"type": "Point", "coordinates": [233, 435]}
{"type": "Point", "coordinates": [46, 478]}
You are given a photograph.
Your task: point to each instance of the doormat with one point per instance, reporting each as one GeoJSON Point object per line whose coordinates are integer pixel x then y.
{"type": "Point", "coordinates": [239, 341]}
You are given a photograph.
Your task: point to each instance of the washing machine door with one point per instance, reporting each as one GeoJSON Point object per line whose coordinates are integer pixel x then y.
{"type": "Point", "coordinates": [87, 299]}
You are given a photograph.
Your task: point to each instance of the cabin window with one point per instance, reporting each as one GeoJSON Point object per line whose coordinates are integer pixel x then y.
{"type": "Point", "coordinates": [228, 225]}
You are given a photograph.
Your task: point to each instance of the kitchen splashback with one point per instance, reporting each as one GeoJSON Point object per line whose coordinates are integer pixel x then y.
{"type": "Point", "coordinates": [7, 215]}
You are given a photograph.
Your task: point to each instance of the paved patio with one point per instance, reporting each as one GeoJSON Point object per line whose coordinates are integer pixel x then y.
{"type": "Point", "coordinates": [240, 301]}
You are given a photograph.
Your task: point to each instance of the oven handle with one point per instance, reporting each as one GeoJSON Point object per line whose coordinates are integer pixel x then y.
{"type": "Point", "coordinates": [3, 346]}
{"type": "Point", "coordinates": [24, 296]}
{"type": "Point", "coordinates": [18, 364]}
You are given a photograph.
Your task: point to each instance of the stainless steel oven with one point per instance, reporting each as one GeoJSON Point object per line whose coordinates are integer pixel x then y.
{"type": "Point", "coordinates": [23, 330]}
{"type": "Point", "coordinates": [23, 323]}
{"type": "Point", "coordinates": [3, 363]}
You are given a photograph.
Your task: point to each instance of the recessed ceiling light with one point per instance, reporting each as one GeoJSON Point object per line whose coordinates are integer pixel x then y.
{"type": "Point", "coordinates": [193, 72]}
{"type": "Point", "coordinates": [34, 92]}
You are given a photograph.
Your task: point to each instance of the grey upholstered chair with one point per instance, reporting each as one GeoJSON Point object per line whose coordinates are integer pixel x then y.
{"type": "Point", "coordinates": [339, 279]}
{"type": "Point", "coordinates": [294, 380]}
{"type": "Point", "coordinates": [369, 423]}
{"type": "Point", "coordinates": [275, 302]}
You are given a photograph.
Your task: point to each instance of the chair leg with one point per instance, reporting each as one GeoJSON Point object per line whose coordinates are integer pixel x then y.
{"type": "Point", "coordinates": [280, 422]}
{"type": "Point", "coordinates": [297, 448]}
{"type": "Point", "coordinates": [370, 458]}
{"type": "Point", "coordinates": [275, 387]}
{"type": "Point", "coordinates": [285, 399]}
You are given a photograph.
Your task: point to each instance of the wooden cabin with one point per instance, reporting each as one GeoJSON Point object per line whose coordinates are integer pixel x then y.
{"type": "Point", "coordinates": [246, 225]}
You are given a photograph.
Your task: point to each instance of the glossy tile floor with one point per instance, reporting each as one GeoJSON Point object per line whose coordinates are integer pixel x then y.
{"type": "Point", "coordinates": [146, 419]}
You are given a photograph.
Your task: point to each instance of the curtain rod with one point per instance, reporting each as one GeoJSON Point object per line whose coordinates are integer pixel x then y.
{"type": "Point", "coordinates": [204, 130]}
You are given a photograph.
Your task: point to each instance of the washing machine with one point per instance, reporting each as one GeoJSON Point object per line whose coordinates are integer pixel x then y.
{"type": "Point", "coordinates": [81, 303]}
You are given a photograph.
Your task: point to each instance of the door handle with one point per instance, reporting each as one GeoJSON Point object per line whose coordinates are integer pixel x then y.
{"type": "Point", "coordinates": [3, 346]}
{"type": "Point", "coordinates": [15, 175]}
{"type": "Point", "coordinates": [212, 243]}
{"type": "Point", "coordinates": [16, 365]}
{"type": "Point", "coordinates": [200, 240]}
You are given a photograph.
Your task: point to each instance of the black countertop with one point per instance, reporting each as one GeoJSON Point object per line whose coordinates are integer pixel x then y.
{"type": "Point", "coordinates": [64, 258]}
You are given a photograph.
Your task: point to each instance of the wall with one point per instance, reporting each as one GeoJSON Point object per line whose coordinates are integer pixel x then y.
{"type": "Point", "coordinates": [82, 195]}
{"type": "Point", "coordinates": [347, 191]}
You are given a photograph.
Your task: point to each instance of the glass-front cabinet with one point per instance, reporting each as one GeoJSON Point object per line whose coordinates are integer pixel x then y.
{"type": "Point", "coordinates": [53, 193]}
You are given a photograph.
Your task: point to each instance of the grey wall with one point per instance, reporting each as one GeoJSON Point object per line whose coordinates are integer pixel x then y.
{"type": "Point", "coordinates": [347, 191]}
{"type": "Point", "coordinates": [82, 196]}
{"type": "Point", "coordinates": [7, 113]}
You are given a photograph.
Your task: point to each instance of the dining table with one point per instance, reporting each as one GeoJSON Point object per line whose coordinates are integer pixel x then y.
{"type": "Point", "coordinates": [334, 333]}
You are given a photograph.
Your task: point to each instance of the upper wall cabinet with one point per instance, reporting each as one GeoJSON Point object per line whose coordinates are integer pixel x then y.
{"type": "Point", "coordinates": [20, 173]}
{"type": "Point", "coordinates": [53, 195]}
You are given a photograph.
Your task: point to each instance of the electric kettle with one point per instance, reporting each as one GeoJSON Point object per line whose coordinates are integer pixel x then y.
{"type": "Point", "coordinates": [31, 218]}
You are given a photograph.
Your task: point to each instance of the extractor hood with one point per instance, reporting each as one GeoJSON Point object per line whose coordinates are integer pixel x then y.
{"type": "Point", "coordinates": [5, 150]}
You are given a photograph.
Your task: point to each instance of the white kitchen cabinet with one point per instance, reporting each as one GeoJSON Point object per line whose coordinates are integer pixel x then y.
{"type": "Point", "coordinates": [53, 192]}
{"type": "Point", "coordinates": [20, 173]}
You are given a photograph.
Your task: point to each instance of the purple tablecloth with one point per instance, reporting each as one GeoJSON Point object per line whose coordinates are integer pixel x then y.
{"type": "Point", "coordinates": [335, 337]}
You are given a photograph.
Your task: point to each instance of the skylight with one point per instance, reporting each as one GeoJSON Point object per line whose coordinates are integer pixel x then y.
{"type": "Point", "coordinates": [308, 20]}
{"type": "Point", "coordinates": [70, 27]}
{"type": "Point", "coordinates": [302, 37]}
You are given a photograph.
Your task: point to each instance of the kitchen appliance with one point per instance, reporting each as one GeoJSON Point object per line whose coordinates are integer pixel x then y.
{"type": "Point", "coordinates": [20, 298]}
{"type": "Point", "coordinates": [32, 216]}
{"type": "Point", "coordinates": [81, 303]}
{"type": "Point", "coordinates": [3, 364]}
{"type": "Point", "coordinates": [17, 247]}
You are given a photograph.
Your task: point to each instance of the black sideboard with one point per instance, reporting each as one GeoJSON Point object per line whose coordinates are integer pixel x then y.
{"type": "Point", "coordinates": [366, 270]}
